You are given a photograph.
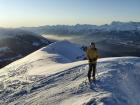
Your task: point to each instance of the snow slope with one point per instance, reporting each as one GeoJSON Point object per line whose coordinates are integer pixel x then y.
{"type": "Point", "coordinates": [51, 78]}
{"type": "Point", "coordinates": [46, 58]}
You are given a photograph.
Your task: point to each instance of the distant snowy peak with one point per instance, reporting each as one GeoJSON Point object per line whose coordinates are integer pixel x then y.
{"type": "Point", "coordinates": [121, 26]}
{"type": "Point", "coordinates": [69, 50]}
{"type": "Point", "coordinates": [125, 25]}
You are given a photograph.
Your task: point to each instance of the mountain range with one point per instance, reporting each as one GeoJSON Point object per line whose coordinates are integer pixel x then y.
{"type": "Point", "coordinates": [115, 39]}
{"type": "Point", "coordinates": [112, 40]}
{"type": "Point", "coordinates": [84, 28]}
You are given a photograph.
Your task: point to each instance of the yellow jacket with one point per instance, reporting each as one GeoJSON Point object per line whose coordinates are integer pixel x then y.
{"type": "Point", "coordinates": [92, 54]}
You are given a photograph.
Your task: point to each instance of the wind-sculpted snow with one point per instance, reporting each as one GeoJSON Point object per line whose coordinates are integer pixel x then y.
{"type": "Point", "coordinates": [118, 83]}
{"type": "Point", "coordinates": [67, 49]}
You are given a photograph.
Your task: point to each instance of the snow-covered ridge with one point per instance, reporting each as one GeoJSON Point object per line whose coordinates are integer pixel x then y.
{"type": "Point", "coordinates": [117, 81]}
{"type": "Point", "coordinates": [67, 49]}
{"type": "Point", "coordinates": [49, 77]}
{"type": "Point", "coordinates": [56, 53]}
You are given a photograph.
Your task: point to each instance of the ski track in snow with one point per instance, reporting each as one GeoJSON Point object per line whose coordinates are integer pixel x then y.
{"type": "Point", "coordinates": [118, 83]}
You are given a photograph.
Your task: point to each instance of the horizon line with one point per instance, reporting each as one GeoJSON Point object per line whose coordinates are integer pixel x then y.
{"type": "Point", "coordinates": [109, 23]}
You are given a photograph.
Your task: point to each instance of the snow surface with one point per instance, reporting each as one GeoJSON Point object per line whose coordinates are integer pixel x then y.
{"type": "Point", "coordinates": [51, 77]}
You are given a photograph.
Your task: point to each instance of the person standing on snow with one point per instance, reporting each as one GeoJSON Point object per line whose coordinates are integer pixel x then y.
{"type": "Point", "coordinates": [92, 56]}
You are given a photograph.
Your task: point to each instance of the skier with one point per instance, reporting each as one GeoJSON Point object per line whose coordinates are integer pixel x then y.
{"type": "Point", "coordinates": [92, 56]}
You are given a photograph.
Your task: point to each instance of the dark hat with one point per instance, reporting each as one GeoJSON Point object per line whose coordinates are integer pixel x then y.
{"type": "Point", "coordinates": [92, 43]}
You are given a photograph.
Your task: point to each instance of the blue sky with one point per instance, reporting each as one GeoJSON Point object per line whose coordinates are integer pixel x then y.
{"type": "Point", "coordinates": [16, 13]}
